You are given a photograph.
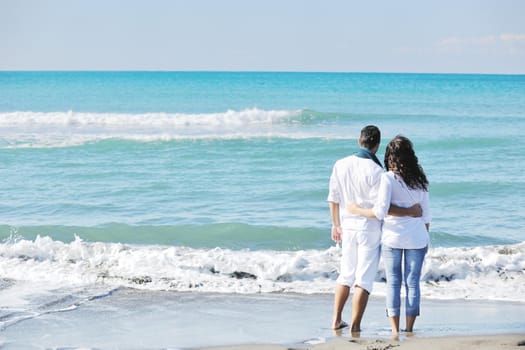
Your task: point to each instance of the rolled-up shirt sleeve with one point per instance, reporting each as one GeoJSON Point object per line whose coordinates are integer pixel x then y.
{"type": "Point", "coordinates": [384, 195]}
{"type": "Point", "coordinates": [427, 217]}
{"type": "Point", "coordinates": [334, 190]}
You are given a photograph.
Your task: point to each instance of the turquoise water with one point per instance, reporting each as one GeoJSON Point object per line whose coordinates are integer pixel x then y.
{"type": "Point", "coordinates": [249, 172]}
{"type": "Point", "coordinates": [240, 162]}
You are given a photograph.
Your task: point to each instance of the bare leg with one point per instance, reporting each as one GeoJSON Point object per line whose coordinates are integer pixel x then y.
{"type": "Point", "coordinates": [340, 297]}
{"type": "Point", "coordinates": [394, 323]}
{"type": "Point", "coordinates": [410, 323]}
{"type": "Point", "coordinates": [359, 301]}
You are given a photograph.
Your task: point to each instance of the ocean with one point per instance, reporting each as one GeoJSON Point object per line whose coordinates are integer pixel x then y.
{"type": "Point", "coordinates": [217, 181]}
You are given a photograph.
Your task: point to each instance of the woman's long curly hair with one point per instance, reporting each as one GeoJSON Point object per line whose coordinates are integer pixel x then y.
{"type": "Point", "coordinates": [401, 158]}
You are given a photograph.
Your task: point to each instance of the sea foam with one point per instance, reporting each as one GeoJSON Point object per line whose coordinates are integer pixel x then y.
{"type": "Point", "coordinates": [62, 129]}
{"type": "Point", "coordinates": [77, 119]}
{"type": "Point", "coordinates": [489, 272]}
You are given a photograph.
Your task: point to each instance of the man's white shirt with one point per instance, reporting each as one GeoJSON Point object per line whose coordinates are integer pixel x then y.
{"type": "Point", "coordinates": [355, 180]}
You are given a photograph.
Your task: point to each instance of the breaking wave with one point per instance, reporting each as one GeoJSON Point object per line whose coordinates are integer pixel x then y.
{"type": "Point", "coordinates": [451, 273]}
{"type": "Point", "coordinates": [62, 129]}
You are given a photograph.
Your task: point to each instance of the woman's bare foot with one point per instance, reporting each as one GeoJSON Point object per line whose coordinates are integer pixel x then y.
{"type": "Point", "coordinates": [339, 325]}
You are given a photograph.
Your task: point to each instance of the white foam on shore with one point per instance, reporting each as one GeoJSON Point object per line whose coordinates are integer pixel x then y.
{"type": "Point", "coordinates": [448, 273]}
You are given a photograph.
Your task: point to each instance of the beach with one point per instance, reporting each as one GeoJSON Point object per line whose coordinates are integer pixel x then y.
{"type": "Point", "coordinates": [187, 210]}
{"type": "Point", "coordinates": [131, 319]}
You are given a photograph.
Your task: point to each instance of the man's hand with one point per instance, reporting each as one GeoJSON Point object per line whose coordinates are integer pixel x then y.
{"type": "Point", "coordinates": [416, 211]}
{"type": "Point", "coordinates": [336, 234]}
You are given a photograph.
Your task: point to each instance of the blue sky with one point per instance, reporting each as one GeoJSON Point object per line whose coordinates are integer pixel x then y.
{"type": "Point", "coordinates": [460, 36]}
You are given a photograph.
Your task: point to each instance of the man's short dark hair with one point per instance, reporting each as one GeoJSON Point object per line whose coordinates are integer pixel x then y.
{"type": "Point", "coordinates": [370, 136]}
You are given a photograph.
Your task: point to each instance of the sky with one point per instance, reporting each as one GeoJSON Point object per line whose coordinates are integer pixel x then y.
{"type": "Point", "coordinates": [432, 36]}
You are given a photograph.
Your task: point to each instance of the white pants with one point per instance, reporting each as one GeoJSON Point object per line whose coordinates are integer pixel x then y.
{"type": "Point", "coordinates": [360, 258]}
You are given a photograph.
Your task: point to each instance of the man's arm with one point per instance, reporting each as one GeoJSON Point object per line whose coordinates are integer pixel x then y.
{"type": "Point", "coordinates": [394, 210]}
{"type": "Point", "coordinates": [336, 222]}
{"type": "Point", "coordinates": [414, 211]}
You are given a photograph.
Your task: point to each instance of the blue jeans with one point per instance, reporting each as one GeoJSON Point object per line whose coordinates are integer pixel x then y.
{"type": "Point", "coordinates": [394, 259]}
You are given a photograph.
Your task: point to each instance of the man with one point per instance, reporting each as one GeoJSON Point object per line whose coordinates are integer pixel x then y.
{"type": "Point", "coordinates": [355, 179]}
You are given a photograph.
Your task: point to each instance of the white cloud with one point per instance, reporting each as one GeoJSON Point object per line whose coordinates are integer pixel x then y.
{"type": "Point", "coordinates": [489, 41]}
{"type": "Point", "coordinates": [517, 38]}
{"type": "Point", "coordinates": [498, 53]}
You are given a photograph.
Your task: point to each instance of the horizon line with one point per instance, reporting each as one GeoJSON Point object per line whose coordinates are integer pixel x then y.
{"type": "Point", "coordinates": [240, 71]}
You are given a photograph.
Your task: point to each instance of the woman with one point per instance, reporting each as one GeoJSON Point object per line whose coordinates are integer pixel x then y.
{"type": "Point", "coordinates": [405, 239]}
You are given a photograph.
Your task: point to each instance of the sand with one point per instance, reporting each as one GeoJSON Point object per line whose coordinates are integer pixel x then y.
{"type": "Point", "coordinates": [484, 342]}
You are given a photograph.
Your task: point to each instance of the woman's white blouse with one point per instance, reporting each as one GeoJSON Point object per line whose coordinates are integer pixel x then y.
{"type": "Point", "coordinates": [404, 232]}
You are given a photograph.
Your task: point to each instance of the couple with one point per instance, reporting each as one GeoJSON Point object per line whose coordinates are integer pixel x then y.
{"type": "Point", "coordinates": [370, 208]}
